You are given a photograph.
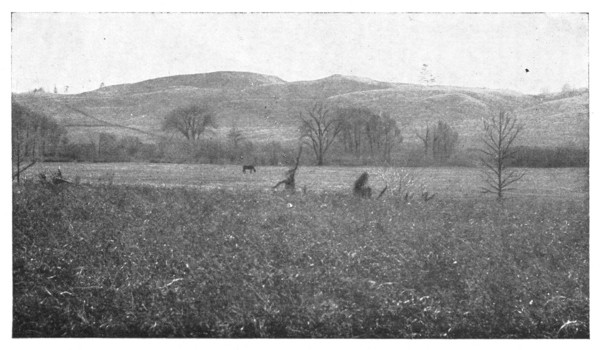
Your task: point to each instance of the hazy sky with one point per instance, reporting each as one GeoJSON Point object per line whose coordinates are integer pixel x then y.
{"type": "Point", "coordinates": [82, 50]}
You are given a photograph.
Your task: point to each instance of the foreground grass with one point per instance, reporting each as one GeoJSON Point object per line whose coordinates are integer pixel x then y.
{"type": "Point", "coordinates": [132, 261]}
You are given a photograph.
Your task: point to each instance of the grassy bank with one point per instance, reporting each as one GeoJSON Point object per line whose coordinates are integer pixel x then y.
{"type": "Point", "coordinates": [131, 261]}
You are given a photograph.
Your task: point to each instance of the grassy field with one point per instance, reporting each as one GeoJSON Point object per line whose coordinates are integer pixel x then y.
{"type": "Point", "coordinates": [447, 182]}
{"type": "Point", "coordinates": [206, 251]}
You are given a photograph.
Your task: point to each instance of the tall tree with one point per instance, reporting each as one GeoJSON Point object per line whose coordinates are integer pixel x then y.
{"type": "Point", "coordinates": [439, 140]}
{"type": "Point", "coordinates": [426, 136]}
{"type": "Point", "coordinates": [364, 132]}
{"type": "Point", "coordinates": [108, 148]}
{"type": "Point", "coordinates": [390, 136]}
{"type": "Point", "coordinates": [235, 136]}
{"type": "Point", "coordinates": [353, 122]}
{"type": "Point", "coordinates": [319, 128]}
{"type": "Point", "coordinates": [190, 121]}
{"type": "Point", "coordinates": [500, 133]}
{"type": "Point", "coordinates": [445, 140]}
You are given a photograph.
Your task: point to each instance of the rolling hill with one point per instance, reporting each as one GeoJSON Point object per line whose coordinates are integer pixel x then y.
{"type": "Point", "coordinates": [265, 107]}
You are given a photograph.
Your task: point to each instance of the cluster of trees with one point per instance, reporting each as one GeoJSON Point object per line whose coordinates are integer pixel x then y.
{"type": "Point", "coordinates": [348, 136]}
{"type": "Point", "coordinates": [358, 130]}
{"type": "Point", "coordinates": [555, 157]}
{"type": "Point", "coordinates": [364, 132]}
{"type": "Point", "coordinates": [107, 147]}
{"type": "Point", "coordinates": [33, 136]}
{"type": "Point", "coordinates": [439, 141]}
{"type": "Point", "coordinates": [193, 121]}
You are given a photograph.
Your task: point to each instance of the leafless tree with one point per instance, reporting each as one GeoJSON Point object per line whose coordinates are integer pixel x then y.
{"type": "Point", "coordinates": [235, 136]}
{"type": "Point", "coordinates": [445, 140]}
{"type": "Point", "coordinates": [380, 132]}
{"type": "Point", "coordinates": [319, 128]}
{"type": "Point", "coordinates": [426, 136]}
{"type": "Point", "coordinates": [390, 136]}
{"type": "Point", "coordinates": [190, 121]}
{"type": "Point", "coordinates": [501, 131]}
{"type": "Point", "coordinates": [440, 138]}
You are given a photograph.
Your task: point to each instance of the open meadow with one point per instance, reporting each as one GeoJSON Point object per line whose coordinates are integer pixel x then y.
{"type": "Point", "coordinates": [164, 250]}
{"type": "Point", "coordinates": [446, 182]}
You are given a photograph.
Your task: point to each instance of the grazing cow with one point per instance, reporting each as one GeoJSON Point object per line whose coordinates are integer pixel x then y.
{"type": "Point", "coordinates": [250, 168]}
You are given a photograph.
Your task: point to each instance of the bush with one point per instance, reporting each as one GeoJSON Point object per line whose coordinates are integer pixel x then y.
{"type": "Point", "coordinates": [558, 157]}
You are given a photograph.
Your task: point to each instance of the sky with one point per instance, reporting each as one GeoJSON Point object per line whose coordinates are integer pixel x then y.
{"type": "Point", "coordinates": [529, 53]}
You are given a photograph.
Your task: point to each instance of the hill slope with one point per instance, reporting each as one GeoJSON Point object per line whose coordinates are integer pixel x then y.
{"type": "Point", "coordinates": [265, 107]}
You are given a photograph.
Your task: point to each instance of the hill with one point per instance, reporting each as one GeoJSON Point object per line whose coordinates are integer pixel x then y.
{"type": "Point", "coordinates": [265, 107]}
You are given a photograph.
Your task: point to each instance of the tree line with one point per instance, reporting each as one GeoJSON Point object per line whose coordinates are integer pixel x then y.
{"type": "Point", "coordinates": [336, 136]}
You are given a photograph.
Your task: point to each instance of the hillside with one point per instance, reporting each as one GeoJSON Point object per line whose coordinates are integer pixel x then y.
{"type": "Point", "coordinates": [558, 121]}
{"type": "Point", "coordinates": [215, 80]}
{"type": "Point", "coordinates": [265, 107]}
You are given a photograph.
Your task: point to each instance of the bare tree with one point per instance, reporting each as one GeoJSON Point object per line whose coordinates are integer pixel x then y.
{"type": "Point", "coordinates": [190, 121]}
{"type": "Point", "coordinates": [426, 136]}
{"type": "Point", "coordinates": [235, 136]}
{"type": "Point", "coordinates": [500, 134]}
{"type": "Point", "coordinates": [380, 131]}
{"type": "Point", "coordinates": [445, 140]}
{"type": "Point", "coordinates": [319, 128]}
{"type": "Point", "coordinates": [440, 138]}
{"type": "Point", "coordinates": [390, 135]}
{"type": "Point", "coordinates": [354, 128]}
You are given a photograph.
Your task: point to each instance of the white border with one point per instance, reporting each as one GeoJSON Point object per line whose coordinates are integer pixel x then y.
{"type": "Point", "coordinates": [281, 6]}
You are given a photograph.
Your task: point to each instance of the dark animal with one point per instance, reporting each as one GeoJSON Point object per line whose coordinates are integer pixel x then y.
{"type": "Point", "coordinates": [360, 186]}
{"type": "Point", "coordinates": [250, 168]}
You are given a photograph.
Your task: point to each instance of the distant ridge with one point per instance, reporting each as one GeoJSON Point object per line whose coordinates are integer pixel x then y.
{"type": "Point", "coordinates": [264, 107]}
{"type": "Point", "coordinates": [214, 80]}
